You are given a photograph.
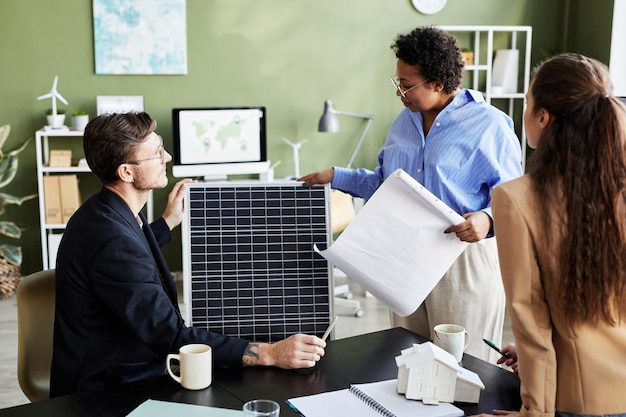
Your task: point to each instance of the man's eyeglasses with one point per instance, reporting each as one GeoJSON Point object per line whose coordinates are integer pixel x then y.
{"type": "Point", "coordinates": [402, 92]}
{"type": "Point", "coordinates": [160, 156]}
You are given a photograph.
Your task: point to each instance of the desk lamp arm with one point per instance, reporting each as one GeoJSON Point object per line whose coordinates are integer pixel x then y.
{"type": "Point", "coordinates": [359, 142]}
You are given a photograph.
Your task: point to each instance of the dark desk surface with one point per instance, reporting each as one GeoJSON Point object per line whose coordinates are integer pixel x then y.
{"type": "Point", "coordinates": [360, 359]}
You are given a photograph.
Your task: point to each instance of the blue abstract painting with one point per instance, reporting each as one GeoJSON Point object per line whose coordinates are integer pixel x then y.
{"type": "Point", "coordinates": [141, 37]}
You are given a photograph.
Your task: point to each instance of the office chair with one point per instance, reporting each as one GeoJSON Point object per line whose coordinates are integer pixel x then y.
{"type": "Point", "coordinates": [342, 211]}
{"type": "Point", "coordinates": [35, 322]}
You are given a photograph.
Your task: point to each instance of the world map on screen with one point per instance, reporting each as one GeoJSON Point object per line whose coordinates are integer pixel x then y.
{"type": "Point", "coordinates": [210, 133]}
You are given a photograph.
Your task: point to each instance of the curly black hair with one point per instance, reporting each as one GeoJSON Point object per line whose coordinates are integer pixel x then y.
{"type": "Point", "coordinates": [437, 54]}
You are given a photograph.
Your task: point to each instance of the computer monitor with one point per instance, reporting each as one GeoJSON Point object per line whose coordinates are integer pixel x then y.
{"type": "Point", "coordinates": [214, 142]}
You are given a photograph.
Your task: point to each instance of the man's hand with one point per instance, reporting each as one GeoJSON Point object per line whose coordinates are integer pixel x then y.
{"type": "Point", "coordinates": [320, 177]}
{"type": "Point", "coordinates": [297, 351]}
{"type": "Point", "coordinates": [174, 211]}
{"type": "Point", "coordinates": [475, 227]}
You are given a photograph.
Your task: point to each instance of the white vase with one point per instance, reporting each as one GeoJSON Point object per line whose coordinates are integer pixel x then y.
{"type": "Point", "coordinates": [55, 120]}
{"type": "Point", "coordinates": [79, 122]}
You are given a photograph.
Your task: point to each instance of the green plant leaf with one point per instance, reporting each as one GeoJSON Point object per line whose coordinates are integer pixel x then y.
{"type": "Point", "coordinates": [59, 111]}
{"type": "Point", "coordinates": [5, 163]}
{"type": "Point", "coordinates": [11, 199]}
{"type": "Point", "coordinates": [8, 169]}
{"type": "Point", "coordinates": [13, 254]}
{"type": "Point", "coordinates": [18, 149]}
{"type": "Point", "coordinates": [4, 134]}
{"type": "Point", "coordinates": [10, 229]}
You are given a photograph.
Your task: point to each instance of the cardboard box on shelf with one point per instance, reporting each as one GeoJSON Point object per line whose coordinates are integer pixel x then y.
{"type": "Point", "coordinates": [468, 56]}
{"type": "Point", "coordinates": [61, 197]}
{"type": "Point", "coordinates": [60, 158]}
{"type": "Point", "coordinates": [52, 199]}
{"type": "Point", "coordinates": [70, 196]}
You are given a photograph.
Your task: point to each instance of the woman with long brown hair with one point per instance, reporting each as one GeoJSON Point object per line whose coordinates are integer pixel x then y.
{"type": "Point", "coordinates": [562, 243]}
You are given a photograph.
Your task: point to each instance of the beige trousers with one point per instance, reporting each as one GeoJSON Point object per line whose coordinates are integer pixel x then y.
{"type": "Point", "coordinates": [471, 295]}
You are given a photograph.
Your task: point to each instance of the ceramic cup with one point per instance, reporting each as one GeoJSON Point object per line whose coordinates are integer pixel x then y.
{"type": "Point", "coordinates": [452, 338]}
{"type": "Point", "coordinates": [261, 408]}
{"type": "Point", "coordinates": [196, 362]}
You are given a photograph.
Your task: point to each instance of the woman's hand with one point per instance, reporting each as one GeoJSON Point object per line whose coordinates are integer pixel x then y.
{"type": "Point", "coordinates": [512, 359]}
{"type": "Point", "coordinates": [320, 177]}
{"type": "Point", "coordinates": [499, 413]}
{"type": "Point", "coordinates": [475, 227]}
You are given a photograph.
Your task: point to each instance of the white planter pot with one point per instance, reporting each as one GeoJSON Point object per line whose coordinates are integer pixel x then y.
{"type": "Point", "coordinates": [79, 122]}
{"type": "Point", "coordinates": [56, 120]}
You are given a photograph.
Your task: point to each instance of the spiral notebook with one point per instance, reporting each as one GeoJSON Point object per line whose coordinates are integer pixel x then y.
{"type": "Point", "coordinates": [364, 400]}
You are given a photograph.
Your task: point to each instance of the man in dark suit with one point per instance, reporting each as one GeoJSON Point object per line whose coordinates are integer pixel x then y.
{"type": "Point", "coordinates": [117, 314]}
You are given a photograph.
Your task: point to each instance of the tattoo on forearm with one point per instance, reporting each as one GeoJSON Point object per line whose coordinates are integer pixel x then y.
{"type": "Point", "coordinates": [251, 355]}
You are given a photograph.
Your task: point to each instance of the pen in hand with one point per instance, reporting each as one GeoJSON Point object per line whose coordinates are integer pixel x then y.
{"type": "Point", "coordinates": [330, 328]}
{"type": "Point", "coordinates": [496, 348]}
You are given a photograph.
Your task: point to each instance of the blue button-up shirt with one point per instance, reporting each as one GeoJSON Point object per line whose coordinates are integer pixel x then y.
{"type": "Point", "coordinates": [470, 148]}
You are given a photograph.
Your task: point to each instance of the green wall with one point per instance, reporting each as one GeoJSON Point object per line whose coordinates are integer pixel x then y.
{"type": "Point", "coordinates": [591, 24]}
{"type": "Point", "coordinates": [288, 55]}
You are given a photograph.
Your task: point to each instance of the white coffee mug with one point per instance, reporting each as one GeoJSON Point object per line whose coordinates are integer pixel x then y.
{"type": "Point", "coordinates": [452, 338]}
{"type": "Point", "coordinates": [196, 363]}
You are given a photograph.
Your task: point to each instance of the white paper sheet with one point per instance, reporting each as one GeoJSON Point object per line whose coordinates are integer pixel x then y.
{"type": "Point", "coordinates": [396, 247]}
{"type": "Point", "coordinates": [155, 408]}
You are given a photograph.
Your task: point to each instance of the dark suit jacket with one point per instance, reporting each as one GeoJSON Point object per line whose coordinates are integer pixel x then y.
{"type": "Point", "coordinates": [117, 314]}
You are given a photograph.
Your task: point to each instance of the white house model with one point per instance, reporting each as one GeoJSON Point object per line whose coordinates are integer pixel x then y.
{"type": "Point", "coordinates": [428, 373]}
{"type": "Point", "coordinates": [468, 386]}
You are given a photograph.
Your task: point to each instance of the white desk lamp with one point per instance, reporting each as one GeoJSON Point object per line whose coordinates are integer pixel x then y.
{"type": "Point", "coordinates": [330, 123]}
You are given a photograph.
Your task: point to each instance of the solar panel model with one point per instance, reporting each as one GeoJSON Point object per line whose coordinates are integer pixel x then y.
{"type": "Point", "coordinates": [249, 266]}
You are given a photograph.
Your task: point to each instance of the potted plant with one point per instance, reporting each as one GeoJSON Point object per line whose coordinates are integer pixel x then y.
{"type": "Point", "coordinates": [79, 120]}
{"type": "Point", "coordinates": [10, 255]}
{"type": "Point", "coordinates": [55, 120]}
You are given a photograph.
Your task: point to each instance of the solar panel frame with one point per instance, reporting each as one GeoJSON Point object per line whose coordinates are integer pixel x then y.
{"type": "Point", "coordinates": [249, 267]}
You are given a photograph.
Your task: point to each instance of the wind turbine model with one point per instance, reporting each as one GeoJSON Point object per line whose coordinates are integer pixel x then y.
{"type": "Point", "coordinates": [296, 155]}
{"type": "Point", "coordinates": [54, 94]}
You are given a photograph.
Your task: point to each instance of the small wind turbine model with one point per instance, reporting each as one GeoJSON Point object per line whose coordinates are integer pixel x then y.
{"type": "Point", "coordinates": [54, 94]}
{"type": "Point", "coordinates": [296, 155]}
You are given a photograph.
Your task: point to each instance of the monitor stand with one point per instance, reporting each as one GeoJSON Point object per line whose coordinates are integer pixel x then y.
{"type": "Point", "coordinates": [265, 176]}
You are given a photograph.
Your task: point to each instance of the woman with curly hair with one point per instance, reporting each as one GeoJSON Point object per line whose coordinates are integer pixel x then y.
{"type": "Point", "coordinates": [459, 147]}
{"type": "Point", "coordinates": [562, 243]}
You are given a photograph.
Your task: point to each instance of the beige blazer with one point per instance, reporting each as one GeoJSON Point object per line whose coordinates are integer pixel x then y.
{"type": "Point", "coordinates": [577, 370]}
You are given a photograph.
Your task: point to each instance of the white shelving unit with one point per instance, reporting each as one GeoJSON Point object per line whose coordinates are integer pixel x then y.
{"type": "Point", "coordinates": [42, 146]}
{"type": "Point", "coordinates": [480, 73]}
